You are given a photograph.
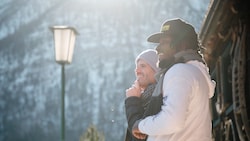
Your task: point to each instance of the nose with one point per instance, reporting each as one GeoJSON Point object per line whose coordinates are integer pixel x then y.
{"type": "Point", "coordinates": [137, 70]}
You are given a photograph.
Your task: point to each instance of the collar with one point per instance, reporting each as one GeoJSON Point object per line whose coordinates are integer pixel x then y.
{"type": "Point", "coordinates": [181, 57]}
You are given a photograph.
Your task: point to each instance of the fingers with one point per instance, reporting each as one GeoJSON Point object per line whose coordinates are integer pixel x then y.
{"type": "Point", "coordinates": [139, 135]}
{"type": "Point", "coordinates": [136, 132]}
{"type": "Point", "coordinates": [134, 90]}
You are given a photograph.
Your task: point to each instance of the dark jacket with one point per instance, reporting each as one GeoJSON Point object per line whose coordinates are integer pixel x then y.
{"type": "Point", "coordinates": [134, 112]}
{"type": "Point", "coordinates": [138, 108]}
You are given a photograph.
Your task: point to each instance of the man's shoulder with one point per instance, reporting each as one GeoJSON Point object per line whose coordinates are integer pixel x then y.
{"type": "Point", "coordinates": [183, 69]}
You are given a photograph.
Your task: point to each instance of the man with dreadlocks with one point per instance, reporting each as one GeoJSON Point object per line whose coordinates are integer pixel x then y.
{"type": "Point", "coordinates": [185, 86]}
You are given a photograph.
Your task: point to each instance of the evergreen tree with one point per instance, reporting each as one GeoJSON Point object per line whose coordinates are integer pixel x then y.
{"type": "Point", "coordinates": [92, 134]}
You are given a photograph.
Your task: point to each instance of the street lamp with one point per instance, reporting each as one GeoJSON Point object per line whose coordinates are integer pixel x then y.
{"type": "Point", "coordinates": [64, 38]}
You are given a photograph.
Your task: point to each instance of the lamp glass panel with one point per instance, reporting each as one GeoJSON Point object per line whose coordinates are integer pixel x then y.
{"type": "Point", "coordinates": [62, 45]}
{"type": "Point", "coordinates": [72, 40]}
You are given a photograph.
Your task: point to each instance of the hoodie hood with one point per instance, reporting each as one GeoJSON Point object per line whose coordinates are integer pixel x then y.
{"type": "Point", "coordinates": [193, 57]}
{"type": "Point", "coordinates": [205, 71]}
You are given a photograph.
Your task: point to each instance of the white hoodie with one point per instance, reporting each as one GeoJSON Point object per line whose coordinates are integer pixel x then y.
{"type": "Point", "coordinates": [185, 114]}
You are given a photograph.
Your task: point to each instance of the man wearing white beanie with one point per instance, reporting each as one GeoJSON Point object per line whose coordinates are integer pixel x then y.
{"type": "Point", "coordinates": [139, 94]}
{"type": "Point", "coordinates": [146, 76]}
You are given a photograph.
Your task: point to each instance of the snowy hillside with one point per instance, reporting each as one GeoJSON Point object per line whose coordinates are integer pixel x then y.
{"type": "Point", "coordinates": [112, 33]}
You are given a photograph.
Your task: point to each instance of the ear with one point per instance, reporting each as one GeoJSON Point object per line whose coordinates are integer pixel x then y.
{"type": "Point", "coordinates": [172, 45]}
{"type": "Point", "coordinates": [178, 47]}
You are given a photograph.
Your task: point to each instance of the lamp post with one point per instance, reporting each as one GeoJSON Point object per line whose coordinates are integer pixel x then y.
{"type": "Point", "coordinates": [64, 39]}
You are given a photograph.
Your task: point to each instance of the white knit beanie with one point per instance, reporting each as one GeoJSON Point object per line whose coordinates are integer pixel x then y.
{"type": "Point", "coordinates": [150, 56]}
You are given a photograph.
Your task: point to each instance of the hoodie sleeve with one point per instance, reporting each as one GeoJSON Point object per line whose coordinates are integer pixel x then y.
{"type": "Point", "coordinates": [177, 90]}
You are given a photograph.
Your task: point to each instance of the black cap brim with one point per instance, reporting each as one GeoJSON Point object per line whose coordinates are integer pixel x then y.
{"type": "Point", "coordinates": [155, 38]}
